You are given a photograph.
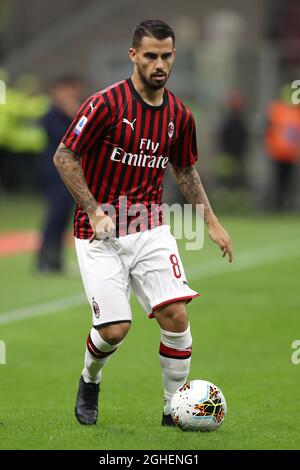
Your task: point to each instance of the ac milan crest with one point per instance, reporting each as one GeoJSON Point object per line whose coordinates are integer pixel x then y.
{"type": "Point", "coordinates": [171, 128]}
{"type": "Point", "coordinates": [96, 308]}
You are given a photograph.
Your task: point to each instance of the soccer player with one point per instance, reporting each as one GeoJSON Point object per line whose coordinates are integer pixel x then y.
{"type": "Point", "coordinates": [116, 150]}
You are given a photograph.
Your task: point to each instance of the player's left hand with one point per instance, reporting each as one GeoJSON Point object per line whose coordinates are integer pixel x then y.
{"type": "Point", "coordinates": [219, 235]}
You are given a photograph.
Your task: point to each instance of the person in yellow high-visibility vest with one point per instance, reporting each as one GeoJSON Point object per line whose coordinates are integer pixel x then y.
{"type": "Point", "coordinates": [21, 134]}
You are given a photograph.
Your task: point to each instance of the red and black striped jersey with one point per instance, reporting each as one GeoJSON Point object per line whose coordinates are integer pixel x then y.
{"type": "Point", "coordinates": [125, 145]}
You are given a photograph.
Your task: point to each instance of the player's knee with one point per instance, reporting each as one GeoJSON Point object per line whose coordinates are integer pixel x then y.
{"type": "Point", "coordinates": [173, 317]}
{"type": "Point", "coordinates": [114, 334]}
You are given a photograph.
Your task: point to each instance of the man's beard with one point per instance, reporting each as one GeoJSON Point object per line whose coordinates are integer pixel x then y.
{"type": "Point", "coordinates": [152, 83]}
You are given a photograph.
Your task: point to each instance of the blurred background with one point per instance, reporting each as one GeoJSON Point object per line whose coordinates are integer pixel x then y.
{"type": "Point", "coordinates": [233, 60]}
{"type": "Point", "coordinates": [235, 64]}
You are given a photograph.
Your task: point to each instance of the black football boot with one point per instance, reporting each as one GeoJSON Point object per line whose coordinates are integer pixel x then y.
{"type": "Point", "coordinates": [167, 420]}
{"type": "Point", "coordinates": [86, 408]}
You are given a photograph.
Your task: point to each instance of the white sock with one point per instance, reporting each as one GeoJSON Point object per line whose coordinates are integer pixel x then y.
{"type": "Point", "coordinates": [97, 354]}
{"type": "Point", "coordinates": [175, 358]}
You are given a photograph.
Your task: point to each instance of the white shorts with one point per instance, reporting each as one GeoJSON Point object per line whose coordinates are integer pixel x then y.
{"type": "Point", "coordinates": [147, 262]}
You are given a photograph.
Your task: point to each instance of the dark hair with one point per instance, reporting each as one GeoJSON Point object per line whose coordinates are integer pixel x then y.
{"type": "Point", "coordinates": [152, 28]}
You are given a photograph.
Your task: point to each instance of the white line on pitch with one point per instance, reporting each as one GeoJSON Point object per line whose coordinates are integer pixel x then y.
{"type": "Point", "coordinates": [247, 260]}
{"type": "Point", "coordinates": [242, 262]}
{"type": "Point", "coordinates": [39, 310]}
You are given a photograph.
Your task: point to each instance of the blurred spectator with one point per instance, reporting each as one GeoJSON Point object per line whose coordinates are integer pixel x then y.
{"type": "Point", "coordinates": [66, 97]}
{"type": "Point", "coordinates": [282, 143]}
{"type": "Point", "coordinates": [21, 134]}
{"type": "Point", "coordinates": [232, 143]}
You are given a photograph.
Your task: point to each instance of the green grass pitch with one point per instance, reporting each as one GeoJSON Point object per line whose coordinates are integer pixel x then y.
{"type": "Point", "coordinates": [243, 326]}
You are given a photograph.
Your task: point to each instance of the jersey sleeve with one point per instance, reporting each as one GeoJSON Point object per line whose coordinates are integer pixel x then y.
{"type": "Point", "coordinates": [88, 126]}
{"type": "Point", "coordinates": [184, 151]}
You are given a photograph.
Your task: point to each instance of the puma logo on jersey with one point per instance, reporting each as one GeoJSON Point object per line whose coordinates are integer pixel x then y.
{"type": "Point", "coordinates": [92, 107]}
{"type": "Point", "coordinates": [130, 123]}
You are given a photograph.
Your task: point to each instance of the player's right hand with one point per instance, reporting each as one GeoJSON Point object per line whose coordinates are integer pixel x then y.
{"type": "Point", "coordinates": [102, 226]}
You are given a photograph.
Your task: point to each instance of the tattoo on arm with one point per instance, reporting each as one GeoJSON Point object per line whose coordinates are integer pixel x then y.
{"type": "Point", "coordinates": [189, 181]}
{"type": "Point", "coordinates": [68, 165]}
